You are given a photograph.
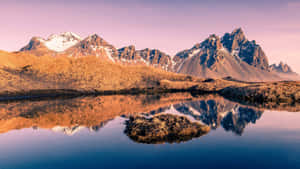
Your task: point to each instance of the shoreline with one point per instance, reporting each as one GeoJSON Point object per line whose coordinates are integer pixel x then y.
{"type": "Point", "coordinates": [230, 93]}
{"type": "Point", "coordinates": [45, 94]}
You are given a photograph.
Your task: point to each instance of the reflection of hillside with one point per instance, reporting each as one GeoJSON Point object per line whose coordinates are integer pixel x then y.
{"type": "Point", "coordinates": [71, 115]}
{"type": "Point", "coordinates": [86, 111]}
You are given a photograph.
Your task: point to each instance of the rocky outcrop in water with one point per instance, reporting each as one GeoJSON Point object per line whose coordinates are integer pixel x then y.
{"type": "Point", "coordinates": [163, 128]}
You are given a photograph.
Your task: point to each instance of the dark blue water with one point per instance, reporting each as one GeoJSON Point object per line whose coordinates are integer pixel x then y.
{"type": "Point", "coordinates": [271, 142]}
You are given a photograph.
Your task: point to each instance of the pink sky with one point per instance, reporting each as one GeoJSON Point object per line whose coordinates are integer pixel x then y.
{"type": "Point", "coordinates": [167, 25]}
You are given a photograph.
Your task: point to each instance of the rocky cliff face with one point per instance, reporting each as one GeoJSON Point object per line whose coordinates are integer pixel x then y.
{"type": "Point", "coordinates": [33, 44]}
{"type": "Point", "coordinates": [128, 53]}
{"type": "Point", "coordinates": [281, 67]}
{"type": "Point", "coordinates": [93, 45]}
{"type": "Point", "coordinates": [71, 45]}
{"type": "Point", "coordinates": [37, 47]}
{"type": "Point", "coordinates": [157, 58]}
{"type": "Point", "coordinates": [232, 55]}
{"type": "Point", "coordinates": [238, 45]}
{"type": "Point", "coordinates": [209, 53]}
{"type": "Point", "coordinates": [146, 56]}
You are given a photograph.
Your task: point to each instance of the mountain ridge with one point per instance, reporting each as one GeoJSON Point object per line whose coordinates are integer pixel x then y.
{"type": "Point", "coordinates": [215, 57]}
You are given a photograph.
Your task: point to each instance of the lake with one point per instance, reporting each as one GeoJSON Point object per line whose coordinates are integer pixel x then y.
{"type": "Point", "coordinates": [96, 132]}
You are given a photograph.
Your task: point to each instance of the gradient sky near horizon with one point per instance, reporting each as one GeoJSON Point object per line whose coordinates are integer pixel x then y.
{"type": "Point", "coordinates": [169, 25]}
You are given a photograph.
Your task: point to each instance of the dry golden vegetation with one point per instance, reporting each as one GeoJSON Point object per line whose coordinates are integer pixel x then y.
{"type": "Point", "coordinates": [21, 73]}
{"type": "Point", "coordinates": [28, 72]}
{"type": "Point", "coordinates": [268, 92]}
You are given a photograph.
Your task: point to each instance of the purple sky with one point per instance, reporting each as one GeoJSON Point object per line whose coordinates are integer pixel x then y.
{"type": "Point", "coordinates": [169, 25]}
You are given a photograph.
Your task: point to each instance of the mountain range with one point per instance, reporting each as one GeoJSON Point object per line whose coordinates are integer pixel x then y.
{"type": "Point", "coordinates": [216, 57]}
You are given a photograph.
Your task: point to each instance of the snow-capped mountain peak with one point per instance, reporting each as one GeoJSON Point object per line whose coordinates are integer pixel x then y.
{"type": "Point", "coordinates": [61, 42]}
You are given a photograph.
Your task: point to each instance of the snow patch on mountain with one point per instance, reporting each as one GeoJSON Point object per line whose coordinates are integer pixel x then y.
{"type": "Point", "coordinates": [108, 51]}
{"type": "Point", "coordinates": [61, 42]}
{"type": "Point", "coordinates": [194, 52]}
{"type": "Point", "coordinates": [109, 54]}
{"type": "Point", "coordinates": [235, 52]}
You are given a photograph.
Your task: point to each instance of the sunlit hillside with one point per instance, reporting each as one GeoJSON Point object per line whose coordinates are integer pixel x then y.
{"type": "Point", "coordinates": [21, 71]}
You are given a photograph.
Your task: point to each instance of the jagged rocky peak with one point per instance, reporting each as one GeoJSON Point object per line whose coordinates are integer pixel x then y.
{"type": "Point", "coordinates": [93, 45]}
{"type": "Point", "coordinates": [156, 57]}
{"type": "Point", "coordinates": [232, 55]}
{"type": "Point", "coordinates": [281, 67]}
{"type": "Point", "coordinates": [146, 56]}
{"type": "Point", "coordinates": [127, 53]}
{"type": "Point", "coordinates": [207, 53]}
{"type": "Point", "coordinates": [212, 42]}
{"type": "Point", "coordinates": [254, 55]}
{"type": "Point", "coordinates": [128, 48]}
{"type": "Point", "coordinates": [152, 55]}
{"type": "Point", "coordinates": [212, 52]}
{"type": "Point", "coordinates": [233, 40]}
{"type": "Point", "coordinates": [248, 51]}
{"type": "Point", "coordinates": [180, 56]}
{"type": "Point", "coordinates": [33, 44]}
{"type": "Point", "coordinates": [95, 40]}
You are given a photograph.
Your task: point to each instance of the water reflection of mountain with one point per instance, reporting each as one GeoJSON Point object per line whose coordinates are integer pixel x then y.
{"type": "Point", "coordinates": [232, 116]}
{"type": "Point", "coordinates": [216, 112]}
{"type": "Point", "coordinates": [72, 115]}
{"type": "Point", "coordinates": [236, 122]}
{"type": "Point", "coordinates": [187, 120]}
{"type": "Point", "coordinates": [74, 129]}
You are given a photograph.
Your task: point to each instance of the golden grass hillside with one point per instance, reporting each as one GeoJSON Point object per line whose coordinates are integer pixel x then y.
{"type": "Point", "coordinates": [19, 71]}
{"type": "Point", "coordinates": [25, 74]}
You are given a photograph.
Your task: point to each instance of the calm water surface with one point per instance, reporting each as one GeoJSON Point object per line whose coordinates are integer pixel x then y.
{"type": "Point", "coordinates": [89, 133]}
